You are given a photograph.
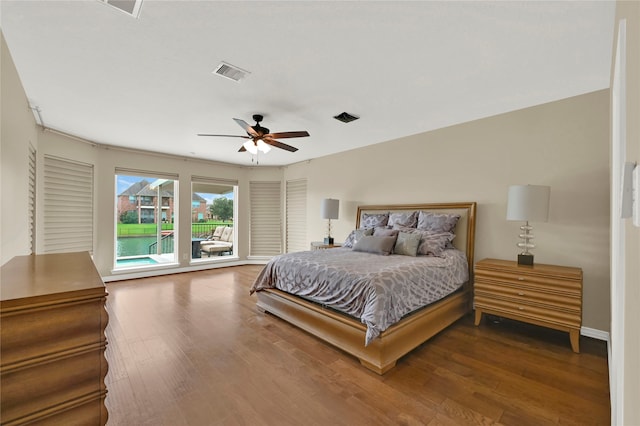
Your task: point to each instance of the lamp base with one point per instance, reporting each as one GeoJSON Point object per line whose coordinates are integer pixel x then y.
{"type": "Point", "coordinates": [328, 240]}
{"type": "Point", "coordinates": [525, 259]}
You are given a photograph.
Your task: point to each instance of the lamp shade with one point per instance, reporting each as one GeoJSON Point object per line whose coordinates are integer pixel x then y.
{"type": "Point", "coordinates": [528, 203]}
{"type": "Point", "coordinates": [329, 208]}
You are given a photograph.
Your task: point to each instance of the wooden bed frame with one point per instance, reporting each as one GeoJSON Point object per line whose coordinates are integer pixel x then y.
{"type": "Point", "coordinates": [348, 333]}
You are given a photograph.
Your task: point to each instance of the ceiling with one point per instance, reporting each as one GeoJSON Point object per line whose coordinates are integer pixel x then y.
{"type": "Point", "coordinates": [402, 67]}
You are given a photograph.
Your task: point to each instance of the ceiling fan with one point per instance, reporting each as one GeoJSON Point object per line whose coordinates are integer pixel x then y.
{"type": "Point", "coordinates": [259, 137]}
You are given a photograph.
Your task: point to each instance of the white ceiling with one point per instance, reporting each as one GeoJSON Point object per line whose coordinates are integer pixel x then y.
{"type": "Point", "coordinates": [403, 67]}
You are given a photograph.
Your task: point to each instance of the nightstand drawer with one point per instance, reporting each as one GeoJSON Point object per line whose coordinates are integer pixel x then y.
{"type": "Point", "coordinates": [551, 284]}
{"type": "Point", "coordinates": [558, 300]}
{"type": "Point", "coordinates": [528, 296]}
{"type": "Point", "coordinates": [524, 311]}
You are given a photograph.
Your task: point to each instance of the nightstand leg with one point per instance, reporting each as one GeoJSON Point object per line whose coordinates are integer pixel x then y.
{"type": "Point", "coordinates": [574, 335]}
{"type": "Point", "coordinates": [478, 316]}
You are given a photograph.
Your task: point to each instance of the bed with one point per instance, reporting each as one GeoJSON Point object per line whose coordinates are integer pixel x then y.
{"type": "Point", "coordinates": [380, 338]}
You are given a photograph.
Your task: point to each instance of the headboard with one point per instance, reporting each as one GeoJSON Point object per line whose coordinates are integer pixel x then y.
{"type": "Point", "coordinates": [465, 229]}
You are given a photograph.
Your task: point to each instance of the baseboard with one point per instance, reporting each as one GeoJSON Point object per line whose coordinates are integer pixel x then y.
{"type": "Point", "coordinates": [595, 334]}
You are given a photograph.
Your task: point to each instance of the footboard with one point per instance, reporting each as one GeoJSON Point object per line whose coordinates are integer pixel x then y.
{"type": "Point", "coordinates": [348, 334]}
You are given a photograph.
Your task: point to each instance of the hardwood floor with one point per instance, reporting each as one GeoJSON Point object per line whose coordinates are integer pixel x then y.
{"type": "Point", "coordinates": [192, 349]}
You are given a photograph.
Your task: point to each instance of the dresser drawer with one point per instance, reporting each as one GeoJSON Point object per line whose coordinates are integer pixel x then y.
{"type": "Point", "coordinates": [554, 299]}
{"type": "Point", "coordinates": [525, 311]}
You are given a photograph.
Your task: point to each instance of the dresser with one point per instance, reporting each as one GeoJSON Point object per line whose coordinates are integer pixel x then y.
{"type": "Point", "coordinates": [52, 341]}
{"type": "Point", "coordinates": [545, 295]}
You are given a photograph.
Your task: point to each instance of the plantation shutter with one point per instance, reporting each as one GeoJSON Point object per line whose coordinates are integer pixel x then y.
{"type": "Point", "coordinates": [266, 222]}
{"type": "Point", "coordinates": [68, 206]}
{"type": "Point", "coordinates": [297, 215]}
{"type": "Point", "coordinates": [32, 198]}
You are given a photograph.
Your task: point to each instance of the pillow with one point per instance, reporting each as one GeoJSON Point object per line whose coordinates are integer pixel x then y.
{"type": "Point", "coordinates": [434, 244]}
{"type": "Point", "coordinates": [437, 222]}
{"type": "Point", "coordinates": [410, 220]}
{"type": "Point", "coordinates": [377, 245]}
{"type": "Point", "coordinates": [373, 220]}
{"type": "Point", "coordinates": [355, 235]}
{"type": "Point", "coordinates": [384, 232]}
{"type": "Point", "coordinates": [431, 243]}
{"type": "Point", "coordinates": [407, 244]}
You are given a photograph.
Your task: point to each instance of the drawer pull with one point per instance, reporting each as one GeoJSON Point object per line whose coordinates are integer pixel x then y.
{"type": "Point", "coordinates": [520, 278]}
{"type": "Point", "coordinates": [520, 293]}
{"type": "Point", "coordinates": [521, 308]}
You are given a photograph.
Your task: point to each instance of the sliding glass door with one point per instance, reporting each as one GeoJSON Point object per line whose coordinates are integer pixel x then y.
{"type": "Point", "coordinates": [146, 207]}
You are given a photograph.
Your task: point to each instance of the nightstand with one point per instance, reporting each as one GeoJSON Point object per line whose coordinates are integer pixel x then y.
{"type": "Point", "coordinates": [319, 245]}
{"type": "Point", "coordinates": [545, 295]}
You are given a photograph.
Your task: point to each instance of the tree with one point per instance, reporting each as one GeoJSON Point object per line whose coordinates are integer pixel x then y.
{"type": "Point", "coordinates": [222, 208]}
{"type": "Point", "coordinates": [130, 216]}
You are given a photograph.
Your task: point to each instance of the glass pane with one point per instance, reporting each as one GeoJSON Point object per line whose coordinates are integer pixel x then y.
{"type": "Point", "coordinates": [144, 221]}
{"type": "Point", "coordinates": [212, 219]}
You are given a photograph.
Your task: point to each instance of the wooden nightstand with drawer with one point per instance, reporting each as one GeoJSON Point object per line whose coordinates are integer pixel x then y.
{"type": "Point", "coordinates": [545, 295]}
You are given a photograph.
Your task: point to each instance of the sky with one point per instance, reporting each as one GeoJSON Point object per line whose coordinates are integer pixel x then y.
{"type": "Point", "coordinates": [124, 182]}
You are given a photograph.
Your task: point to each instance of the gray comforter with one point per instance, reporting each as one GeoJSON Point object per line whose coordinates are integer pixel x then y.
{"type": "Point", "coordinates": [379, 290]}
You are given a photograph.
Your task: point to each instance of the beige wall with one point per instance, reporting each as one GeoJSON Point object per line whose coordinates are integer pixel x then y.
{"type": "Point", "coordinates": [630, 10]}
{"type": "Point", "coordinates": [563, 144]}
{"type": "Point", "coordinates": [18, 130]}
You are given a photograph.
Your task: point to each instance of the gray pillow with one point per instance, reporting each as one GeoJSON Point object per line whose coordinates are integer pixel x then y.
{"type": "Point", "coordinates": [377, 245]}
{"type": "Point", "coordinates": [373, 220]}
{"type": "Point", "coordinates": [384, 232]}
{"type": "Point", "coordinates": [407, 244]}
{"type": "Point", "coordinates": [410, 220]}
{"type": "Point", "coordinates": [437, 222]}
{"type": "Point", "coordinates": [431, 243]}
{"type": "Point", "coordinates": [355, 235]}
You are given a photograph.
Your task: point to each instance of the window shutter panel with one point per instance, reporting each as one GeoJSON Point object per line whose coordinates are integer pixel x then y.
{"type": "Point", "coordinates": [297, 215]}
{"type": "Point", "coordinates": [32, 198]}
{"type": "Point", "coordinates": [266, 222]}
{"type": "Point", "coordinates": [68, 206]}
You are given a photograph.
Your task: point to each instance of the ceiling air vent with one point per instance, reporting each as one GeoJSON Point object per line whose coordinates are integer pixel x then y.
{"type": "Point", "coordinates": [130, 7]}
{"type": "Point", "coordinates": [345, 117]}
{"type": "Point", "coordinates": [230, 71]}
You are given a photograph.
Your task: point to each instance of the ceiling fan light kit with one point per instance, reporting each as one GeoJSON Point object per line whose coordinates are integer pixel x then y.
{"type": "Point", "coordinates": [260, 139]}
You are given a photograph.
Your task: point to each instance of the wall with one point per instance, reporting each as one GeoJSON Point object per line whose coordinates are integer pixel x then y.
{"type": "Point", "coordinates": [18, 130]}
{"type": "Point", "coordinates": [630, 10]}
{"type": "Point", "coordinates": [562, 144]}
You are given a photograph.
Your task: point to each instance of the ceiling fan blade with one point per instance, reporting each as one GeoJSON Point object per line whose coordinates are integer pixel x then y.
{"type": "Point", "coordinates": [225, 136]}
{"type": "Point", "coordinates": [282, 135]}
{"type": "Point", "coordinates": [279, 144]}
{"type": "Point", "coordinates": [246, 127]}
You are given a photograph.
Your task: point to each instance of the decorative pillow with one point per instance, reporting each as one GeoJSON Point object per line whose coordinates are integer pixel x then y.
{"type": "Point", "coordinates": [377, 245]}
{"type": "Point", "coordinates": [384, 232]}
{"type": "Point", "coordinates": [407, 244]}
{"type": "Point", "coordinates": [355, 235]}
{"type": "Point", "coordinates": [410, 220]}
{"type": "Point", "coordinates": [373, 220]}
{"type": "Point", "coordinates": [431, 243]}
{"type": "Point", "coordinates": [437, 222]}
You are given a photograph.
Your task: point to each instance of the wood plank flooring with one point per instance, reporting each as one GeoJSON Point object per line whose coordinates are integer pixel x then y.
{"type": "Point", "coordinates": [192, 349]}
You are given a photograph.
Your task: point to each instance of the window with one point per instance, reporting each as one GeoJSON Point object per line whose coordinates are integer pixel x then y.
{"type": "Point", "coordinates": [145, 228]}
{"type": "Point", "coordinates": [266, 218]}
{"type": "Point", "coordinates": [213, 216]}
{"type": "Point", "coordinates": [297, 215]}
{"type": "Point", "coordinates": [68, 205]}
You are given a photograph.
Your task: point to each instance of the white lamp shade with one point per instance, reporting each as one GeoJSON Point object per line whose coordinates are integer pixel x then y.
{"type": "Point", "coordinates": [528, 203]}
{"type": "Point", "coordinates": [262, 146]}
{"type": "Point", "coordinates": [251, 147]}
{"type": "Point", "coordinates": [329, 208]}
